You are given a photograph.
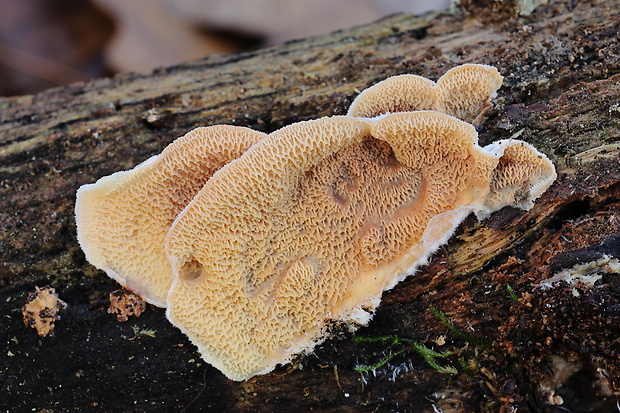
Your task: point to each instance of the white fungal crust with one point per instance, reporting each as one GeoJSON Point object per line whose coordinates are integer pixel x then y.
{"type": "Point", "coordinates": [313, 224]}
{"type": "Point", "coordinates": [465, 92]}
{"type": "Point", "coordinates": [122, 219]}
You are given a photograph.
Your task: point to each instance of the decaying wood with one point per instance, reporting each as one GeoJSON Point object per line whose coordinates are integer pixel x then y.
{"type": "Point", "coordinates": [527, 348]}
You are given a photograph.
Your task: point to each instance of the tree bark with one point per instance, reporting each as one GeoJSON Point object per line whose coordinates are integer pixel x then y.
{"type": "Point", "coordinates": [515, 344]}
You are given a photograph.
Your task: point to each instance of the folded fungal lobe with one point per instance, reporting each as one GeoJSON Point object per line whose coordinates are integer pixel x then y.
{"type": "Point", "coordinates": [464, 92]}
{"type": "Point", "coordinates": [122, 219]}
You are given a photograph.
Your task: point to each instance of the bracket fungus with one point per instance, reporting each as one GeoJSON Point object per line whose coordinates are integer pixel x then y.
{"type": "Point", "coordinates": [464, 92]}
{"type": "Point", "coordinates": [255, 256]}
{"type": "Point", "coordinates": [122, 219]}
{"type": "Point", "coordinates": [314, 222]}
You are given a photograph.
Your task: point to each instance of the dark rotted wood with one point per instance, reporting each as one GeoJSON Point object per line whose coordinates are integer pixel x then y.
{"type": "Point", "coordinates": [561, 93]}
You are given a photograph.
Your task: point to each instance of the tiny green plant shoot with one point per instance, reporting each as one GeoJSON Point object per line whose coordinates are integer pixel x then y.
{"type": "Point", "coordinates": [511, 293]}
{"type": "Point", "coordinates": [430, 356]}
{"type": "Point", "coordinates": [137, 332]}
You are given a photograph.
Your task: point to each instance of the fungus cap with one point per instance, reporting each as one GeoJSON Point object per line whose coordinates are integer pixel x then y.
{"type": "Point", "coordinates": [401, 93]}
{"type": "Point", "coordinates": [522, 175]}
{"type": "Point", "coordinates": [464, 92]}
{"type": "Point", "coordinates": [123, 218]}
{"type": "Point", "coordinates": [312, 224]}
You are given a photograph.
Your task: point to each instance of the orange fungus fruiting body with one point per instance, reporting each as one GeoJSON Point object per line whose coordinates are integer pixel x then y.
{"type": "Point", "coordinates": [312, 224]}
{"type": "Point", "coordinates": [256, 242]}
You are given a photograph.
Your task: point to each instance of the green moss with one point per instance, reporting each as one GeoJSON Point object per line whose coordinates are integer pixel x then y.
{"type": "Point", "coordinates": [429, 355]}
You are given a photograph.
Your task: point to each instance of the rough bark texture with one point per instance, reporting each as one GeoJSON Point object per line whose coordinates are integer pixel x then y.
{"type": "Point", "coordinates": [515, 345]}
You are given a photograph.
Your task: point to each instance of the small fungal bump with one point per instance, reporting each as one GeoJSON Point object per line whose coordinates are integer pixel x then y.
{"type": "Point", "coordinates": [42, 309]}
{"type": "Point", "coordinates": [153, 115]}
{"type": "Point", "coordinates": [125, 304]}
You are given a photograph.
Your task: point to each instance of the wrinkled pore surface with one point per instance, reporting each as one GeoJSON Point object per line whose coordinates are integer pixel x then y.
{"type": "Point", "coordinates": [312, 224]}
{"type": "Point", "coordinates": [521, 176]}
{"type": "Point", "coordinates": [123, 218]}
{"type": "Point", "coordinates": [464, 92]}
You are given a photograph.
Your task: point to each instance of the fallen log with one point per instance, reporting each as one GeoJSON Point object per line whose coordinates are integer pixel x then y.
{"type": "Point", "coordinates": [506, 341]}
